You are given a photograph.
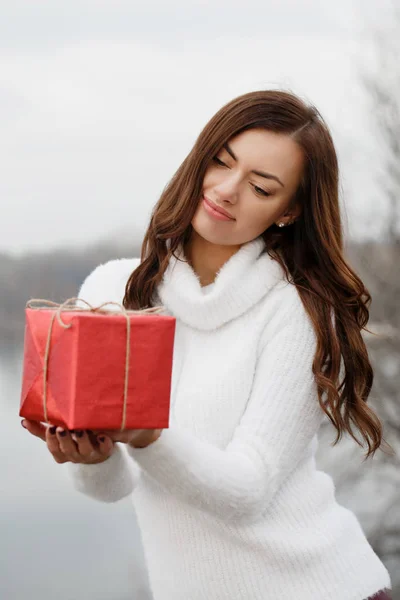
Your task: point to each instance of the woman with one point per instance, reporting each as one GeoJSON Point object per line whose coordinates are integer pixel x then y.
{"type": "Point", "coordinates": [244, 248]}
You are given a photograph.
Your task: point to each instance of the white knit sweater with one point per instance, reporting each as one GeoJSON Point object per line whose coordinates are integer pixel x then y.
{"type": "Point", "coordinates": [229, 500]}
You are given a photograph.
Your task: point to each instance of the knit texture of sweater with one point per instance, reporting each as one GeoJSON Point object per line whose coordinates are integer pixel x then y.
{"type": "Point", "coordinates": [230, 503]}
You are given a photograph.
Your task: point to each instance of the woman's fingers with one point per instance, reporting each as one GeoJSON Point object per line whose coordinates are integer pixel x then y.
{"type": "Point", "coordinates": [83, 443]}
{"type": "Point", "coordinates": [74, 446]}
{"type": "Point", "coordinates": [67, 444]}
{"type": "Point", "coordinates": [102, 444]}
{"type": "Point", "coordinates": [82, 446]}
{"type": "Point", "coordinates": [105, 447]}
{"type": "Point", "coordinates": [35, 428]}
{"type": "Point", "coordinates": [53, 445]}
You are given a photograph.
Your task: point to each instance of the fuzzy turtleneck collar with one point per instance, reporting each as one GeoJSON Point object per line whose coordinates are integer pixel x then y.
{"type": "Point", "coordinates": [241, 282]}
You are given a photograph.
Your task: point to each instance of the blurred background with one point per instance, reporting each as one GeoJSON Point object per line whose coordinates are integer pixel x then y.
{"type": "Point", "coordinates": [100, 103]}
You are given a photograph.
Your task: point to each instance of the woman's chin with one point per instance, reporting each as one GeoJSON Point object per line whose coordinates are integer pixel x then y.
{"type": "Point", "coordinates": [213, 233]}
{"type": "Point", "coordinates": [214, 238]}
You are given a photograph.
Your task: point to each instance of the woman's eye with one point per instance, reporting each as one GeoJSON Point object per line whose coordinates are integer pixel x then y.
{"type": "Point", "coordinates": [218, 161]}
{"type": "Point", "coordinates": [257, 189]}
{"type": "Point", "coordinates": [261, 191]}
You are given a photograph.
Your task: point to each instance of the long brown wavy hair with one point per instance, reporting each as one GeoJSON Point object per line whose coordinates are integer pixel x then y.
{"type": "Point", "coordinates": [310, 251]}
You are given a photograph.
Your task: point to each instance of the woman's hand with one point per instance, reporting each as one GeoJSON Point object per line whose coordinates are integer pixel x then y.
{"type": "Point", "coordinates": [138, 438]}
{"type": "Point", "coordinates": [75, 446]}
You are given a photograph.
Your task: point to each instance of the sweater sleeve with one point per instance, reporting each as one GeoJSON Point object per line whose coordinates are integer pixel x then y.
{"type": "Point", "coordinates": [116, 477]}
{"type": "Point", "coordinates": [108, 481]}
{"type": "Point", "coordinates": [282, 416]}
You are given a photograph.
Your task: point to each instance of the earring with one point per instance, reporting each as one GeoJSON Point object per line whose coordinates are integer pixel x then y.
{"type": "Point", "coordinates": [288, 223]}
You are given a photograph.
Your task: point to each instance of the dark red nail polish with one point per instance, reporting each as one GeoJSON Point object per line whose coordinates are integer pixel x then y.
{"type": "Point", "coordinates": [79, 433]}
{"type": "Point", "coordinates": [63, 433]}
{"type": "Point", "coordinates": [102, 438]}
{"type": "Point", "coordinates": [23, 425]}
{"type": "Point", "coordinates": [53, 430]}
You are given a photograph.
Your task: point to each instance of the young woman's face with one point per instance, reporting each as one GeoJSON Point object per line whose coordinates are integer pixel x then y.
{"type": "Point", "coordinates": [253, 201]}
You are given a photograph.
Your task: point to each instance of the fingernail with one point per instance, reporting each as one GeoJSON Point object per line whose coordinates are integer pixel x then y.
{"type": "Point", "coordinates": [53, 430]}
{"type": "Point", "coordinates": [22, 423]}
{"type": "Point", "coordinates": [79, 433]}
{"type": "Point", "coordinates": [62, 432]}
{"type": "Point", "coordinates": [101, 438]}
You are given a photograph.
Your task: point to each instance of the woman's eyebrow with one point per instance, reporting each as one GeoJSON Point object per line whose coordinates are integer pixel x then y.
{"type": "Point", "coordinates": [260, 173]}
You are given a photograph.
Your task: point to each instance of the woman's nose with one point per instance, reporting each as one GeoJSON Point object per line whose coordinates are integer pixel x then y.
{"type": "Point", "coordinates": [228, 190]}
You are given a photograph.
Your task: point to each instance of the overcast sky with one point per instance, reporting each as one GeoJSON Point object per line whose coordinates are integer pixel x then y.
{"type": "Point", "coordinates": [101, 101]}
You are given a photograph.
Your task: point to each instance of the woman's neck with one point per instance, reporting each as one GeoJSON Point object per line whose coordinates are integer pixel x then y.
{"type": "Point", "coordinates": [206, 259]}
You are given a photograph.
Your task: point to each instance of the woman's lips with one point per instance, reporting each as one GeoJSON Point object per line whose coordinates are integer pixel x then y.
{"type": "Point", "coordinates": [216, 213]}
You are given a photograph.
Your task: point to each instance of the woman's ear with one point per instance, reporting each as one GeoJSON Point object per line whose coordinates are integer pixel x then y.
{"type": "Point", "coordinates": [291, 214]}
{"type": "Point", "coordinates": [294, 211]}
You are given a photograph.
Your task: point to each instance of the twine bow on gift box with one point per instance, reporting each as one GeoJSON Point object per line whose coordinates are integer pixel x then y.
{"type": "Point", "coordinates": [65, 306]}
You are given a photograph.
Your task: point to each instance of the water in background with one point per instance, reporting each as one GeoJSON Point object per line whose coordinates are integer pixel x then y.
{"type": "Point", "coordinates": [55, 542]}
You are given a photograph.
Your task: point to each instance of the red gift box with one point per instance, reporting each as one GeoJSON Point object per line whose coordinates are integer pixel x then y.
{"type": "Point", "coordinates": [97, 369]}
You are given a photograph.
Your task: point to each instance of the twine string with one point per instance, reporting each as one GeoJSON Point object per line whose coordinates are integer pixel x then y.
{"type": "Point", "coordinates": [66, 306]}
